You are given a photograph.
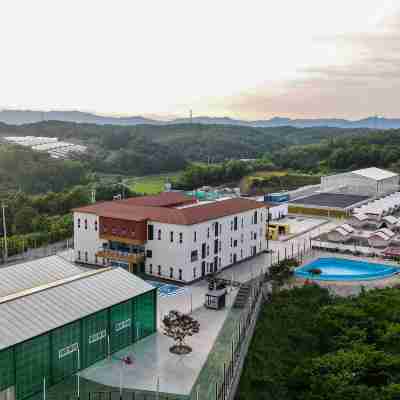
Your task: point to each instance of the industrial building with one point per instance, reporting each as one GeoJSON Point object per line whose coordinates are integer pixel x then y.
{"type": "Point", "coordinates": [171, 235]}
{"type": "Point", "coordinates": [55, 323]}
{"type": "Point", "coordinates": [372, 182]}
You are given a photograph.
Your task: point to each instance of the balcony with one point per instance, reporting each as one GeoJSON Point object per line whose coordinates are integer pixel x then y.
{"type": "Point", "coordinates": [118, 237]}
{"type": "Point", "coordinates": [133, 258]}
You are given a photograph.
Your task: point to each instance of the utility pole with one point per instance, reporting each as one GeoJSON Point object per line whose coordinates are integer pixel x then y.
{"type": "Point", "coordinates": [5, 256]}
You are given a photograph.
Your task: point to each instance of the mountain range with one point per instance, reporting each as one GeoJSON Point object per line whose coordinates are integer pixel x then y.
{"type": "Point", "coordinates": [20, 117]}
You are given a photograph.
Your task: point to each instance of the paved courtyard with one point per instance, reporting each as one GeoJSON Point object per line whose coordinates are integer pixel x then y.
{"type": "Point", "coordinates": [153, 362]}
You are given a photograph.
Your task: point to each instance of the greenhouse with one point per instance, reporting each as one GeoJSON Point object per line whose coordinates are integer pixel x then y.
{"type": "Point", "coordinates": [52, 331]}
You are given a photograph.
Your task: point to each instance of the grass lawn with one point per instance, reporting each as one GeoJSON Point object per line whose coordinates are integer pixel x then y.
{"type": "Point", "coordinates": [152, 184]}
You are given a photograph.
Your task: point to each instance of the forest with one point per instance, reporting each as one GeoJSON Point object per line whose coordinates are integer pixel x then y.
{"type": "Point", "coordinates": [380, 149]}
{"type": "Point", "coordinates": [148, 149]}
{"type": "Point", "coordinates": [311, 345]}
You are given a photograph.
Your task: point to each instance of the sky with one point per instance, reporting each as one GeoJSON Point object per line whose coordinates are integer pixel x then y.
{"type": "Point", "coordinates": [249, 59]}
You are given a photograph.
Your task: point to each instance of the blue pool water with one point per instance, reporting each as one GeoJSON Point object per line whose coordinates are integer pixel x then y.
{"type": "Point", "coordinates": [340, 269]}
{"type": "Point", "coordinates": [167, 289]}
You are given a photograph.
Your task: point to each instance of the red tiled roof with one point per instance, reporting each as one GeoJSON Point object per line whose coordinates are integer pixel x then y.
{"type": "Point", "coordinates": [165, 199]}
{"type": "Point", "coordinates": [184, 216]}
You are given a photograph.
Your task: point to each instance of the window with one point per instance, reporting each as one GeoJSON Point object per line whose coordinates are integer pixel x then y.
{"type": "Point", "coordinates": [79, 222]}
{"type": "Point", "coordinates": [241, 238]}
{"type": "Point", "coordinates": [219, 262]}
{"type": "Point", "coordinates": [79, 254]}
{"type": "Point", "coordinates": [208, 233]}
{"type": "Point", "coordinates": [194, 273]}
{"type": "Point", "coordinates": [235, 224]}
{"type": "Point", "coordinates": [203, 251]}
{"type": "Point", "coordinates": [86, 256]}
{"type": "Point", "coordinates": [159, 234]}
{"type": "Point", "coordinates": [171, 236]}
{"type": "Point", "coordinates": [86, 224]}
{"type": "Point", "coordinates": [104, 261]}
{"type": "Point", "coordinates": [159, 270]}
{"type": "Point", "coordinates": [208, 250]}
{"type": "Point", "coordinates": [216, 229]}
{"type": "Point", "coordinates": [180, 274]}
{"type": "Point", "coordinates": [235, 243]}
{"type": "Point", "coordinates": [220, 246]}
{"type": "Point", "coordinates": [255, 217]}
{"type": "Point", "coordinates": [230, 258]}
{"type": "Point", "coordinates": [260, 246]}
{"type": "Point", "coordinates": [261, 217]}
{"type": "Point", "coordinates": [231, 242]}
{"type": "Point", "coordinates": [180, 237]}
{"type": "Point", "coordinates": [241, 253]}
{"type": "Point", "coordinates": [149, 253]}
{"type": "Point", "coordinates": [242, 222]}
{"type": "Point", "coordinates": [171, 272]}
{"type": "Point", "coordinates": [195, 236]}
{"type": "Point", "coordinates": [150, 232]}
{"type": "Point", "coordinates": [215, 246]}
{"type": "Point", "coordinates": [95, 226]}
{"type": "Point", "coordinates": [231, 225]}
{"type": "Point", "coordinates": [194, 256]}
{"type": "Point", "coordinates": [261, 232]}
{"type": "Point", "coordinates": [255, 235]}
{"type": "Point", "coordinates": [151, 269]}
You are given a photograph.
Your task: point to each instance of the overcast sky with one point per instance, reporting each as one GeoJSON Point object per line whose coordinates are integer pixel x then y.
{"type": "Point", "coordinates": [238, 58]}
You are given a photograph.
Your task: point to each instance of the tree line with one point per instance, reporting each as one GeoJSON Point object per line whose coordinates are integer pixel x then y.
{"type": "Point", "coordinates": [36, 220]}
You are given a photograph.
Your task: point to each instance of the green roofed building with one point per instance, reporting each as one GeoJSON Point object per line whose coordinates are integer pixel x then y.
{"type": "Point", "coordinates": [67, 323]}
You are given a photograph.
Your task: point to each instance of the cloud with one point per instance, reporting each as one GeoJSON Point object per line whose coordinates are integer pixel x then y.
{"type": "Point", "coordinates": [369, 85]}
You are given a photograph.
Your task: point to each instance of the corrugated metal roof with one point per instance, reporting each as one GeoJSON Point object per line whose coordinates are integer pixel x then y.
{"type": "Point", "coordinates": [27, 275]}
{"type": "Point", "coordinates": [34, 314]}
{"type": "Point", "coordinates": [375, 173]}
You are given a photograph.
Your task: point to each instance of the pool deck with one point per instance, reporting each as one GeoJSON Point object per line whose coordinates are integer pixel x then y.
{"type": "Point", "coordinates": [351, 288]}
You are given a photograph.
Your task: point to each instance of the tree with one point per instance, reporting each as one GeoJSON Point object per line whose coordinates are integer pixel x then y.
{"type": "Point", "coordinates": [24, 219]}
{"type": "Point", "coordinates": [179, 326]}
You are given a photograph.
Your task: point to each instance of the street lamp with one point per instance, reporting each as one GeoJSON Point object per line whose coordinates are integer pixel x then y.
{"type": "Point", "coordinates": [3, 208]}
{"type": "Point", "coordinates": [79, 368]}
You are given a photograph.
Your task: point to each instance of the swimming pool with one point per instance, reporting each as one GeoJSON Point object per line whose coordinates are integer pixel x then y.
{"type": "Point", "coordinates": [167, 289]}
{"type": "Point", "coordinates": [341, 269]}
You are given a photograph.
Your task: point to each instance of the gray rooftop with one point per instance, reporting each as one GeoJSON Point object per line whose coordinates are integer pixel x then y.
{"type": "Point", "coordinates": [38, 311]}
{"type": "Point", "coordinates": [39, 272]}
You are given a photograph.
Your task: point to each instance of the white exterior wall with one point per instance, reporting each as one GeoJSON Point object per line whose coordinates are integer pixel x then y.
{"type": "Point", "coordinates": [86, 240]}
{"type": "Point", "coordinates": [178, 255]}
{"type": "Point", "coordinates": [278, 211]}
{"type": "Point", "coordinates": [167, 254]}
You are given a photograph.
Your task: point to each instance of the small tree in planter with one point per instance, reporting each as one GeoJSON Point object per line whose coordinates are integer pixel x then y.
{"type": "Point", "coordinates": [179, 326]}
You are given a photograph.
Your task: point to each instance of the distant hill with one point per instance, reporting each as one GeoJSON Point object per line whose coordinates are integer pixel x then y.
{"type": "Point", "coordinates": [20, 117]}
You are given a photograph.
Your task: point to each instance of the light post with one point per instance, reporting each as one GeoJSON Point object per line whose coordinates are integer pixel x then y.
{"type": "Point", "coordinates": [121, 378]}
{"type": "Point", "coordinates": [79, 368]}
{"type": "Point", "coordinates": [3, 208]}
{"type": "Point", "coordinates": [44, 388]}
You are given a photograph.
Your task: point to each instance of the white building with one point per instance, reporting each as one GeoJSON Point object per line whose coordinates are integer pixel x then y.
{"type": "Point", "coordinates": [171, 235]}
{"type": "Point", "coordinates": [369, 181]}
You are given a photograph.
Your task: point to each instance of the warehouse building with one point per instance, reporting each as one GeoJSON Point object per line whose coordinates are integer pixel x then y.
{"type": "Point", "coordinates": [52, 330]}
{"type": "Point", "coordinates": [171, 236]}
{"type": "Point", "coordinates": [371, 182]}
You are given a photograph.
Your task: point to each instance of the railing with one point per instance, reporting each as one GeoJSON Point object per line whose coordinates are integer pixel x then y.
{"type": "Point", "coordinates": [134, 258]}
